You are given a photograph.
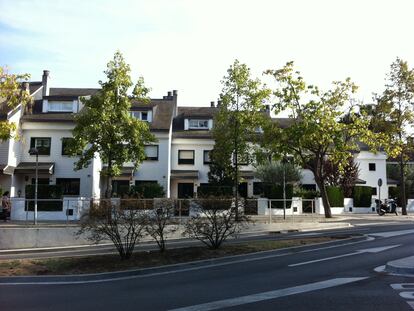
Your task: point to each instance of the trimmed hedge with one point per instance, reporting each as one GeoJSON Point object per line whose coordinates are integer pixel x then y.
{"type": "Point", "coordinates": [276, 192]}
{"type": "Point", "coordinates": [335, 196]}
{"type": "Point", "coordinates": [45, 192]}
{"type": "Point", "coordinates": [216, 191]}
{"type": "Point", "coordinates": [147, 191]}
{"type": "Point", "coordinates": [362, 196]}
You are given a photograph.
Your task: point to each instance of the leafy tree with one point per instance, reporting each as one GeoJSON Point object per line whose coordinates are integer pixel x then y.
{"type": "Point", "coordinates": [317, 132]}
{"type": "Point", "coordinates": [11, 95]}
{"type": "Point", "coordinates": [393, 116]}
{"type": "Point", "coordinates": [235, 123]}
{"type": "Point", "coordinates": [105, 126]}
{"type": "Point", "coordinates": [272, 173]}
{"type": "Point", "coordinates": [345, 178]}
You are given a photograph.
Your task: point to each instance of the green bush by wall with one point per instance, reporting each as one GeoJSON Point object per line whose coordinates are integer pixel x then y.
{"type": "Point", "coordinates": [276, 192]}
{"type": "Point", "coordinates": [211, 190]}
{"type": "Point", "coordinates": [147, 191]}
{"type": "Point", "coordinates": [362, 196]}
{"type": "Point", "coordinates": [335, 196]}
{"type": "Point", "coordinates": [45, 192]}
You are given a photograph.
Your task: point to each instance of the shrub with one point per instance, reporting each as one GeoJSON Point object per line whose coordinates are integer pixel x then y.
{"type": "Point", "coordinates": [276, 192]}
{"type": "Point", "coordinates": [45, 192]}
{"type": "Point", "coordinates": [147, 191]}
{"type": "Point", "coordinates": [211, 190]}
{"type": "Point", "coordinates": [362, 196]}
{"type": "Point", "coordinates": [335, 196]}
{"type": "Point", "coordinates": [395, 193]}
{"type": "Point", "coordinates": [214, 221]}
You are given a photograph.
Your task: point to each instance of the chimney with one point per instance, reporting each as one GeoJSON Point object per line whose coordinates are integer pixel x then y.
{"type": "Point", "coordinates": [169, 94]}
{"type": "Point", "coordinates": [175, 93]}
{"type": "Point", "coordinates": [25, 86]}
{"type": "Point", "coordinates": [45, 78]}
{"type": "Point", "coordinates": [211, 104]}
{"type": "Point", "coordinates": [218, 103]}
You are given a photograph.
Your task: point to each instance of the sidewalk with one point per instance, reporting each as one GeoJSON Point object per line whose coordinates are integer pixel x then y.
{"type": "Point", "coordinates": [44, 235]}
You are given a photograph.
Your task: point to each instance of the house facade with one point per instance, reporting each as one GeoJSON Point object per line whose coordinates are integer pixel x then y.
{"type": "Point", "coordinates": [179, 160]}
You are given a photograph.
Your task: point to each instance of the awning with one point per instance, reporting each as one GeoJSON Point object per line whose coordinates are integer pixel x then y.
{"type": "Point", "coordinates": [184, 174]}
{"type": "Point", "coordinates": [360, 181]}
{"type": "Point", "coordinates": [30, 168]}
{"type": "Point", "coordinates": [247, 174]}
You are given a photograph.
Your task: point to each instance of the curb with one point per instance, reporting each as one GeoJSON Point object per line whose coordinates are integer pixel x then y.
{"type": "Point", "coordinates": [166, 269]}
{"type": "Point", "coordinates": [401, 266]}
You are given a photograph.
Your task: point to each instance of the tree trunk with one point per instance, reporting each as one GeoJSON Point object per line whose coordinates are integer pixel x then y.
{"type": "Point", "coordinates": [324, 195]}
{"type": "Point", "coordinates": [402, 186]}
{"type": "Point", "coordinates": [108, 192]}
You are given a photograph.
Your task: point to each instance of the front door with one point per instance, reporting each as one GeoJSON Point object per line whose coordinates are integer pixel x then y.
{"type": "Point", "coordinates": [243, 189]}
{"type": "Point", "coordinates": [185, 190]}
{"type": "Point", "coordinates": [120, 187]}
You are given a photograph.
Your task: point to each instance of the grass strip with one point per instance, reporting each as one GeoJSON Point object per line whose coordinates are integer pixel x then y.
{"type": "Point", "coordinates": [143, 259]}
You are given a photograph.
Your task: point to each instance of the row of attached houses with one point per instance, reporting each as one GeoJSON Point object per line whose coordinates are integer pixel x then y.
{"type": "Point", "coordinates": [179, 160]}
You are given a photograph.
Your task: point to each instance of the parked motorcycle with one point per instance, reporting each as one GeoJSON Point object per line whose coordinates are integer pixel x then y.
{"type": "Point", "coordinates": [388, 207]}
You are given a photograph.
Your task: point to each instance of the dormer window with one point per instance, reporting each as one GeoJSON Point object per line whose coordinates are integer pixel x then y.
{"type": "Point", "coordinates": [142, 115]}
{"type": "Point", "coordinates": [198, 124]}
{"type": "Point", "coordinates": [60, 106]}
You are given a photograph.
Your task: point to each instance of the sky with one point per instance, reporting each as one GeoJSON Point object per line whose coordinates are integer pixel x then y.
{"type": "Point", "coordinates": [187, 45]}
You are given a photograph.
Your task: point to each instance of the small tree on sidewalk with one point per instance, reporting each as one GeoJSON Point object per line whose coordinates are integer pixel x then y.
{"type": "Point", "coordinates": [108, 220]}
{"type": "Point", "coordinates": [158, 224]}
{"type": "Point", "coordinates": [214, 220]}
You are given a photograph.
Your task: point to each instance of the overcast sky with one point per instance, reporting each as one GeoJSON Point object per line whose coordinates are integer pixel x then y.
{"type": "Point", "coordinates": [188, 45]}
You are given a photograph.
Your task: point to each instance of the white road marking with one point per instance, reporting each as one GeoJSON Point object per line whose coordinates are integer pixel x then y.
{"type": "Point", "coordinates": [407, 295]}
{"type": "Point", "coordinates": [411, 304]}
{"type": "Point", "coordinates": [402, 286]}
{"type": "Point", "coordinates": [368, 250]}
{"type": "Point", "coordinates": [390, 234]}
{"type": "Point", "coordinates": [226, 303]}
{"type": "Point", "coordinates": [307, 234]}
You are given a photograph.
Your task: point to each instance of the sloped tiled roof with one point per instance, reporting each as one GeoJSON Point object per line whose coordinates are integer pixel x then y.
{"type": "Point", "coordinates": [65, 91]}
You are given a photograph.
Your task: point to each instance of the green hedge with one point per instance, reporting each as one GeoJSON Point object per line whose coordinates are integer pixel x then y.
{"type": "Point", "coordinates": [45, 192]}
{"type": "Point", "coordinates": [147, 191]}
{"type": "Point", "coordinates": [217, 191]}
{"type": "Point", "coordinates": [335, 196]}
{"type": "Point", "coordinates": [276, 192]}
{"type": "Point", "coordinates": [362, 196]}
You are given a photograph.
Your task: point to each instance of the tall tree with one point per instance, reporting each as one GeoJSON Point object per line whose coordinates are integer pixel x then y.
{"type": "Point", "coordinates": [105, 127]}
{"type": "Point", "coordinates": [393, 116]}
{"type": "Point", "coordinates": [235, 123]}
{"type": "Point", "coordinates": [12, 93]}
{"type": "Point", "coordinates": [317, 132]}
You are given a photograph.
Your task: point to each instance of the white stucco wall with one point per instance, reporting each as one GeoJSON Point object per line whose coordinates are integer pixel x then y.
{"type": "Point", "coordinates": [371, 177]}
{"type": "Point", "coordinates": [64, 165]}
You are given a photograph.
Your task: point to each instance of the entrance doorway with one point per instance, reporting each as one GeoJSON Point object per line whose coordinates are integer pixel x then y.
{"type": "Point", "coordinates": [185, 190]}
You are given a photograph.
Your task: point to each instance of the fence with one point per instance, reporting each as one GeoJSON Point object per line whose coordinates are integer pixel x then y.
{"type": "Point", "coordinates": [73, 208]}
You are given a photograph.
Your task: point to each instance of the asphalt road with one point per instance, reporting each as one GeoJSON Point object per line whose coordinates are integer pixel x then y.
{"type": "Point", "coordinates": [312, 278]}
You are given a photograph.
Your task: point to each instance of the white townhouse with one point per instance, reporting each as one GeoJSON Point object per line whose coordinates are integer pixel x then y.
{"type": "Point", "coordinates": [179, 160]}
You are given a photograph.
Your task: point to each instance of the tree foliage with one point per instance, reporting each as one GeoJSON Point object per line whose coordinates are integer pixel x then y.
{"type": "Point", "coordinates": [393, 116]}
{"type": "Point", "coordinates": [238, 117]}
{"type": "Point", "coordinates": [317, 132]}
{"type": "Point", "coordinates": [11, 95]}
{"type": "Point", "coordinates": [105, 126]}
{"type": "Point", "coordinates": [345, 178]}
{"type": "Point", "coordinates": [272, 173]}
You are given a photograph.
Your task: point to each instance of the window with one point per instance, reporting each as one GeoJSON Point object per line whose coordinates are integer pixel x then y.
{"type": "Point", "coordinates": [60, 107]}
{"type": "Point", "coordinates": [374, 191]}
{"type": "Point", "coordinates": [142, 115]}
{"type": "Point", "coordinates": [242, 159]}
{"type": "Point", "coordinates": [151, 152]}
{"type": "Point", "coordinates": [40, 181]}
{"type": "Point", "coordinates": [198, 124]}
{"type": "Point", "coordinates": [65, 149]}
{"type": "Point", "coordinates": [185, 156]}
{"type": "Point", "coordinates": [42, 144]}
{"type": "Point", "coordinates": [371, 166]}
{"type": "Point", "coordinates": [206, 157]}
{"type": "Point", "coordinates": [70, 186]}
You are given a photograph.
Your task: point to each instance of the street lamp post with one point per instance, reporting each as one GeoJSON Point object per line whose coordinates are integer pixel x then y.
{"type": "Point", "coordinates": [35, 151]}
